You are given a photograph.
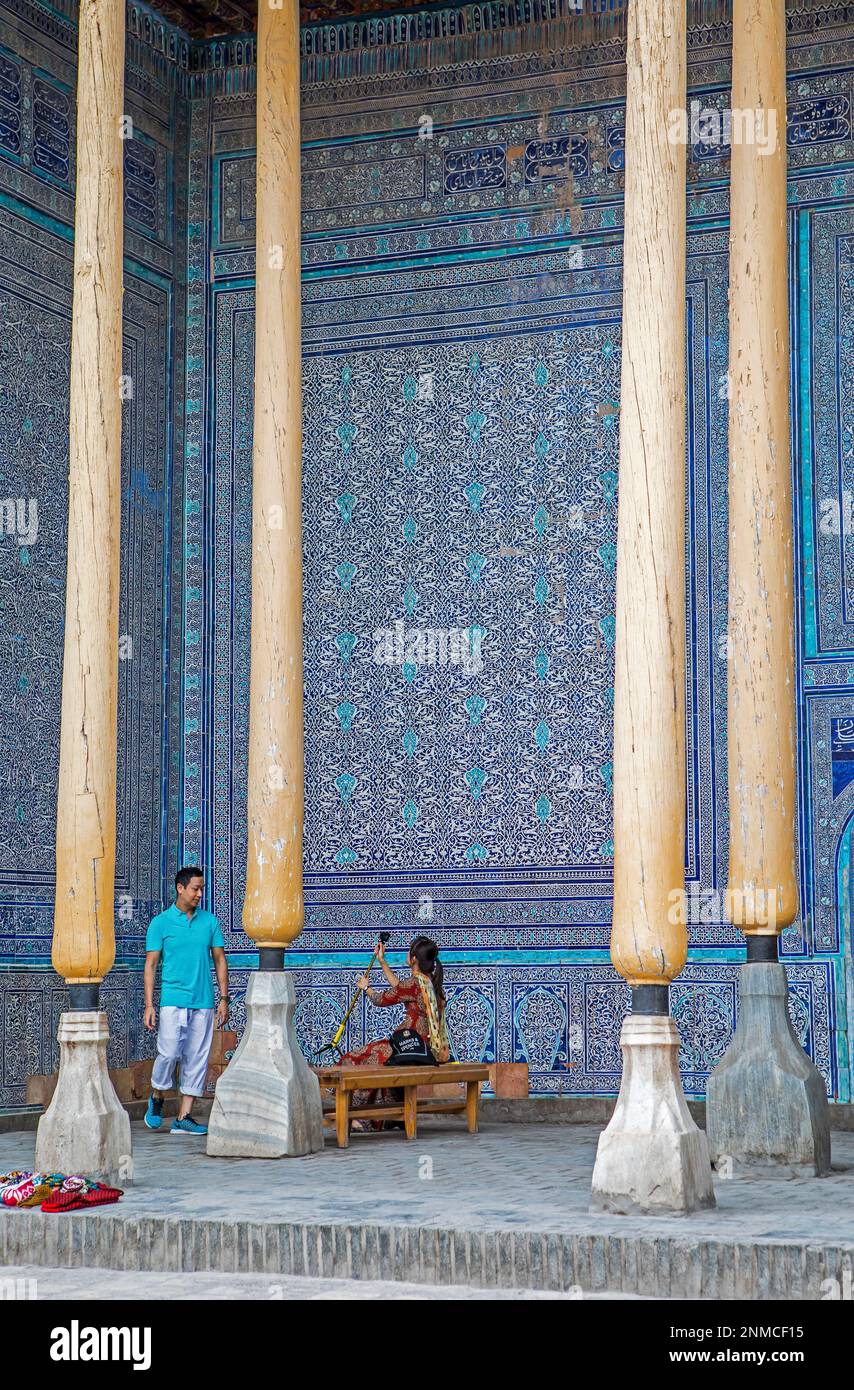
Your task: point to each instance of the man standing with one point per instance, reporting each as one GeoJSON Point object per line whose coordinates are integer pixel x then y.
{"type": "Point", "coordinates": [186, 936]}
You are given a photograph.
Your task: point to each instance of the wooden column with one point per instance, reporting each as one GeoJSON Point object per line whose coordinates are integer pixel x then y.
{"type": "Point", "coordinates": [273, 905]}
{"type": "Point", "coordinates": [762, 886]}
{"type": "Point", "coordinates": [85, 1129]}
{"type": "Point", "coordinates": [267, 1101]}
{"type": "Point", "coordinates": [766, 1104]}
{"type": "Point", "coordinates": [83, 938]}
{"type": "Point", "coordinates": [651, 1157]}
{"type": "Point", "coordinates": [648, 940]}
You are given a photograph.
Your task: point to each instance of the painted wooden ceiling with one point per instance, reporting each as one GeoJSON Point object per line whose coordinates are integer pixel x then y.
{"type": "Point", "coordinates": [205, 19]}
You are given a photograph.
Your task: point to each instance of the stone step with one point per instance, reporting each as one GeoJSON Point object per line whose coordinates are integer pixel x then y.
{"type": "Point", "coordinates": [26, 1118]}
{"type": "Point", "coordinates": [595, 1110]}
{"type": "Point", "coordinates": [508, 1207]}
{"type": "Point", "coordinates": [583, 1262]}
{"type": "Point", "coordinates": [546, 1110]}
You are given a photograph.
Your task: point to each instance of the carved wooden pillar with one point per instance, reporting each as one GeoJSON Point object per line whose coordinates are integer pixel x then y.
{"type": "Point", "coordinates": [273, 905]}
{"type": "Point", "coordinates": [765, 1075]}
{"type": "Point", "coordinates": [651, 1156]}
{"type": "Point", "coordinates": [85, 1128]}
{"type": "Point", "coordinates": [268, 1102]}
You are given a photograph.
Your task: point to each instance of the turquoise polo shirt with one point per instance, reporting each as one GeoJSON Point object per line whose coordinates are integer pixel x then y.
{"type": "Point", "coordinates": [185, 943]}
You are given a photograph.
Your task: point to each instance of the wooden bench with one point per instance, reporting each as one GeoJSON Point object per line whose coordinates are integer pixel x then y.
{"type": "Point", "coordinates": [345, 1080]}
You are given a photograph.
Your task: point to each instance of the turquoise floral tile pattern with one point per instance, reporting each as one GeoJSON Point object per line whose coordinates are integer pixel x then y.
{"type": "Point", "coordinates": [468, 469]}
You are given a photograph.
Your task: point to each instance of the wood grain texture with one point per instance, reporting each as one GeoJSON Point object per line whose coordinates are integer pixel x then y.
{"type": "Point", "coordinates": [647, 946]}
{"type": "Point", "coordinates": [352, 1078]}
{"type": "Point", "coordinates": [761, 690]}
{"type": "Point", "coordinates": [273, 906]}
{"type": "Point", "coordinates": [84, 929]}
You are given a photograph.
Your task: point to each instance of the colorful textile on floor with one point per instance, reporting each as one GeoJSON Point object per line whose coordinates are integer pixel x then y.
{"type": "Point", "coordinates": [54, 1191]}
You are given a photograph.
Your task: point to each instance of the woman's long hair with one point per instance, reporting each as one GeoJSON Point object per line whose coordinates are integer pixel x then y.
{"type": "Point", "coordinates": [426, 954]}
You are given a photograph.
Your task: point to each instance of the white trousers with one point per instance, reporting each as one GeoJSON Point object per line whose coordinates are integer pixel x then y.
{"type": "Point", "coordinates": [184, 1036]}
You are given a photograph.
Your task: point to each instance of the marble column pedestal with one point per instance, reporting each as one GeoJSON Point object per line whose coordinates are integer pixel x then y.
{"type": "Point", "coordinates": [652, 1158]}
{"type": "Point", "coordinates": [766, 1104]}
{"type": "Point", "coordinates": [85, 1129]}
{"type": "Point", "coordinates": [267, 1101]}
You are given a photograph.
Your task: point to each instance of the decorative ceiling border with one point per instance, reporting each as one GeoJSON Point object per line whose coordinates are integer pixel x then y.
{"type": "Point", "coordinates": [436, 37]}
{"type": "Point", "coordinates": [433, 35]}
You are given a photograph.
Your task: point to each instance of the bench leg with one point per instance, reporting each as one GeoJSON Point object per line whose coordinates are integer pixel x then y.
{"type": "Point", "coordinates": [342, 1117]}
{"type": "Point", "coordinates": [410, 1110]}
{"type": "Point", "coordinates": [472, 1098]}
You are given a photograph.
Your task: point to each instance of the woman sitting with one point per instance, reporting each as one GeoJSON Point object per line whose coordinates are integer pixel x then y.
{"type": "Point", "coordinates": [423, 1036]}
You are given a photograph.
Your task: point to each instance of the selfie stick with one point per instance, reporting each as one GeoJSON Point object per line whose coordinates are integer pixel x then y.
{"type": "Point", "coordinates": [333, 1045]}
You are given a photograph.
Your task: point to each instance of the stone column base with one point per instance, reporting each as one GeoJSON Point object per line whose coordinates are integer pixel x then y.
{"type": "Point", "coordinates": [766, 1104]}
{"type": "Point", "coordinates": [652, 1158]}
{"type": "Point", "coordinates": [267, 1101]}
{"type": "Point", "coordinates": [84, 1129]}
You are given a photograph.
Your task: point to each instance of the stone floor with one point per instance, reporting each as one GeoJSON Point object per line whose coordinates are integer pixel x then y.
{"type": "Point", "coordinates": [515, 1184]}
{"type": "Point", "coordinates": [524, 1176]}
{"type": "Point", "coordinates": [30, 1282]}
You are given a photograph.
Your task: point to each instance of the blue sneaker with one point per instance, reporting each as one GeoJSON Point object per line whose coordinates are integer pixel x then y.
{"type": "Point", "coordinates": [154, 1114]}
{"type": "Point", "coordinates": [187, 1126]}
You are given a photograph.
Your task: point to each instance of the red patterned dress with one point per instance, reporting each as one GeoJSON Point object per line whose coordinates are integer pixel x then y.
{"type": "Point", "coordinates": [377, 1053]}
{"type": "Point", "coordinates": [408, 993]}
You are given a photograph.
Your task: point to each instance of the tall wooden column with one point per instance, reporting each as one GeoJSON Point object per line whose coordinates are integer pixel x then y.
{"type": "Point", "coordinates": [762, 892]}
{"type": "Point", "coordinates": [268, 1102]}
{"type": "Point", "coordinates": [765, 1075]}
{"type": "Point", "coordinates": [273, 905]}
{"type": "Point", "coordinates": [85, 1129]}
{"type": "Point", "coordinates": [651, 1156]}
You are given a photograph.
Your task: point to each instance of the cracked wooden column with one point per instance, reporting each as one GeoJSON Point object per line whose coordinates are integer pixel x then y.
{"type": "Point", "coordinates": [766, 1103]}
{"type": "Point", "coordinates": [267, 1102]}
{"type": "Point", "coordinates": [85, 1129]}
{"type": "Point", "coordinates": [651, 1157]}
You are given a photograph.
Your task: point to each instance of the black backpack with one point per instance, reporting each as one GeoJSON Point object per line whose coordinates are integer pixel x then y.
{"type": "Point", "coordinates": [408, 1049]}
